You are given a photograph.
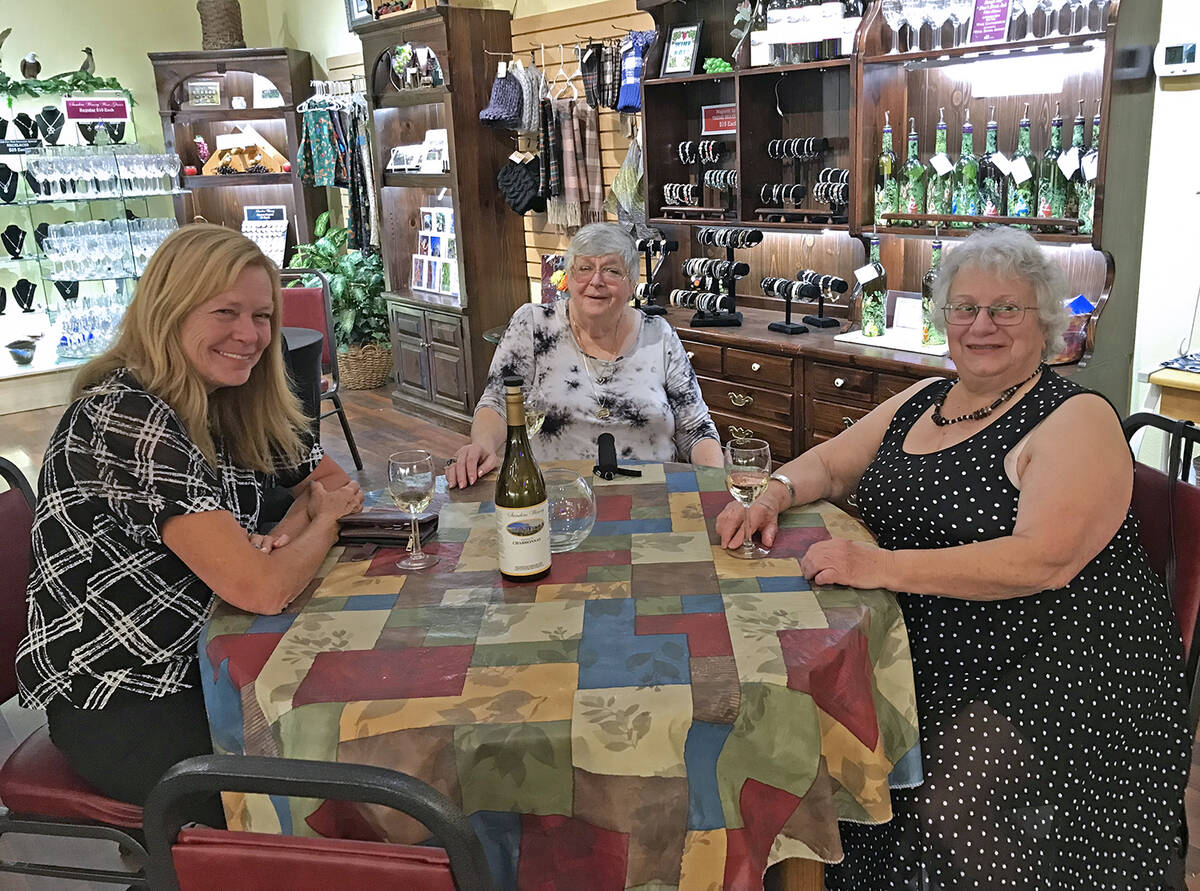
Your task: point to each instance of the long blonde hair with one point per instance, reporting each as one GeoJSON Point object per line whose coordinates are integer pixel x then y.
{"type": "Point", "coordinates": [256, 421]}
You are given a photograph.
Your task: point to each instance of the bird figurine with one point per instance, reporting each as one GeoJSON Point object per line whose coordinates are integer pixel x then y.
{"type": "Point", "coordinates": [89, 61]}
{"type": "Point", "coordinates": [30, 66]}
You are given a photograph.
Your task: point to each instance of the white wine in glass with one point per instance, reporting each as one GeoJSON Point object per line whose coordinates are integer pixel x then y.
{"type": "Point", "coordinates": [411, 483]}
{"type": "Point", "coordinates": [747, 472]}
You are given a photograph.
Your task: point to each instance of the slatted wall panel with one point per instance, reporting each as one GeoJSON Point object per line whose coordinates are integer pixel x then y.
{"type": "Point", "coordinates": [568, 27]}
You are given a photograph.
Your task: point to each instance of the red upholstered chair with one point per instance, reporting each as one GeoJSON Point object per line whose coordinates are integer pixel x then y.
{"type": "Point", "coordinates": [312, 307]}
{"type": "Point", "coordinates": [39, 792]}
{"type": "Point", "coordinates": [201, 859]}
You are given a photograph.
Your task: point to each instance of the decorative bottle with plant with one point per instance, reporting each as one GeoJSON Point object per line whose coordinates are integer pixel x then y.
{"type": "Point", "coordinates": [929, 332]}
{"type": "Point", "coordinates": [1089, 169]}
{"type": "Point", "coordinates": [912, 178]}
{"type": "Point", "coordinates": [1052, 183]}
{"type": "Point", "coordinates": [993, 187]}
{"type": "Point", "coordinates": [1071, 161]}
{"type": "Point", "coordinates": [873, 302]}
{"type": "Point", "coordinates": [940, 194]}
{"type": "Point", "coordinates": [887, 189]}
{"type": "Point", "coordinates": [1022, 175]}
{"type": "Point", "coordinates": [966, 177]}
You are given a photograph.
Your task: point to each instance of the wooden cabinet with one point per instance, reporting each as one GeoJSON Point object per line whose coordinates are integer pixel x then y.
{"type": "Point", "coordinates": [454, 222]}
{"type": "Point", "coordinates": [428, 346]}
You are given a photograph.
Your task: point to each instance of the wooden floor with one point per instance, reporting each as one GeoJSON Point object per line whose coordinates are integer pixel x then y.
{"type": "Point", "coordinates": [379, 430]}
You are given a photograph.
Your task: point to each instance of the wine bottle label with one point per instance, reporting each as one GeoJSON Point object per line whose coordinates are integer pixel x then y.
{"type": "Point", "coordinates": [941, 164]}
{"type": "Point", "coordinates": [524, 538]}
{"type": "Point", "coordinates": [1020, 170]}
{"type": "Point", "coordinates": [1068, 162]}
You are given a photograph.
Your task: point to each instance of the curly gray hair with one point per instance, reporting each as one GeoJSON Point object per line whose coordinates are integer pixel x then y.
{"type": "Point", "coordinates": [601, 239]}
{"type": "Point", "coordinates": [1010, 252]}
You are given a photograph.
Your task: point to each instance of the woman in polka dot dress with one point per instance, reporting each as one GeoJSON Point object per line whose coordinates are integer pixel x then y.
{"type": "Point", "coordinates": [1048, 664]}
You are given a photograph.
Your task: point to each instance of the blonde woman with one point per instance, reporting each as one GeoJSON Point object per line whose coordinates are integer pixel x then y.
{"type": "Point", "coordinates": [148, 500]}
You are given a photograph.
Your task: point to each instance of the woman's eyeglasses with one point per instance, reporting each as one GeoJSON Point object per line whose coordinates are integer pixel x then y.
{"type": "Point", "coordinates": [1001, 313]}
{"type": "Point", "coordinates": [583, 272]}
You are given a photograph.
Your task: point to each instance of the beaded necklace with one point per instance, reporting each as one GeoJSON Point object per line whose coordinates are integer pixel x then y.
{"type": "Point", "coordinates": [980, 412]}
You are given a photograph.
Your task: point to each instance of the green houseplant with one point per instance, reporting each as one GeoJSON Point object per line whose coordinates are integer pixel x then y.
{"type": "Point", "coordinates": [360, 323]}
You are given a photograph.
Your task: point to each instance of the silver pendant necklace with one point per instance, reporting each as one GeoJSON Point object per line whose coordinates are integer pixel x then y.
{"type": "Point", "coordinates": [601, 413]}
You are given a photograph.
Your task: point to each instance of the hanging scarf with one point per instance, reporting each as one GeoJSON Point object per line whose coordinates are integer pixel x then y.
{"type": "Point", "coordinates": [549, 148]}
{"type": "Point", "coordinates": [589, 126]}
{"type": "Point", "coordinates": [632, 63]}
{"type": "Point", "coordinates": [567, 212]}
{"type": "Point", "coordinates": [610, 75]}
{"type": "Point", "coordinates": [589, 64]}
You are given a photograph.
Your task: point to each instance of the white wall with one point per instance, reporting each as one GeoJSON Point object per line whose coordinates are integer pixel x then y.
{"type": "Point", "coordinates": [1170, 273]}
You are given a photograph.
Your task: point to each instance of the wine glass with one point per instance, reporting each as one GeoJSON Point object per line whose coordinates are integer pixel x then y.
{"type": "Point", "coordinates": [535, 414]}
{"type": "Point", "coordinates": [747, 472]}
{"type": "Point", "coordinates": [893, 14]}
{"type": "Point", "coordinates": [410, 480]}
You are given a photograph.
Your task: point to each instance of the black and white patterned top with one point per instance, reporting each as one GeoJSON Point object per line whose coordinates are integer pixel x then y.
{"type": "Point", "coordinates": [649, 395]}
{"type": "Point", "coordinates": [1054, 732]}
{"type": "Point", "coordinates": [113, 613]}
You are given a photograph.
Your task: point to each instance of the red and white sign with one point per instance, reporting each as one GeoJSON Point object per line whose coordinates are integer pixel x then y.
{"type": "Point", "coordinates": [716, 119]}
{"type": "Point", "coordinates": [97, 109]}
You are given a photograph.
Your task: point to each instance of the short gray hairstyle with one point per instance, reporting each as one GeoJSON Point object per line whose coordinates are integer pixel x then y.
{"type": "Point", "coordinates": [1010, 252]}
{"type": "Point", "coordinates": [601, 239]}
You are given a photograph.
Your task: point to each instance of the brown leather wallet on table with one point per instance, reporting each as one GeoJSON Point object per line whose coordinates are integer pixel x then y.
{"type": "Point", "coordinates": [384, 526]}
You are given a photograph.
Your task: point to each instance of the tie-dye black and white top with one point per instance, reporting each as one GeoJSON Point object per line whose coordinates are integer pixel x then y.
{"type": "Point", "coordinates": [648, 398]}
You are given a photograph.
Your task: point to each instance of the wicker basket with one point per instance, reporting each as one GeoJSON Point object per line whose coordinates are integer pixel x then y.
{"type": "Point", "coordinates": [365, 367]}
{"type": "Point", "coordinates": [220, 24]}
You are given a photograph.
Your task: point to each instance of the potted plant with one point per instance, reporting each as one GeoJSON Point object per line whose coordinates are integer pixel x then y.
{"type": "Point", "coordinates": [363, 345]}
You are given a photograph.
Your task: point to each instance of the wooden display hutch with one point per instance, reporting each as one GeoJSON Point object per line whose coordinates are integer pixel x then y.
{"type": "Point", "coordinates": [441, 357]}
{"type": "Point", "coordinates": [252, 74]}
{"type": "Point", "coordinates": [809, 386]}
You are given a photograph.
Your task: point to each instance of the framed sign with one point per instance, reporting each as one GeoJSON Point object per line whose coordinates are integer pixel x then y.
{"type": "Point", "coordinates": [683, 46]}
{"type": "Point", "coordinates": [357, 12]}
{"type": "Point", "coordinates": [718, 119]}
{"type": "Point", "coordinates": [204, 92]}
{"type": "Point", "coordinates": [990, 22]}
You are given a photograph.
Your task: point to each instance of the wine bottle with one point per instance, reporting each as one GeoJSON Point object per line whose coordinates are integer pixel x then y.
{"type": "Point", "coordinates": [912, 178]}
{"type": "Point", "coordinates": [873, 303]}
{"type": "Point", "coordinates": [940, 188]}
{"type": "Point", "coordinates": [966, 177]}
{"type": "Point", "coordinates": [929, 332]}
{"type": "Point", "coordinates": [776, 28]}
{"type": "Point", "coordinates": [1052, 184]}
{"type": "Point", "coordinates": [1069, 164]}
{"type": "Point", "coordinates": [887, 189]}
{"type": "Point", "coordinates": [1022, 175]}
{"type": "Point", "coordinates": [522, 511]}
{"type": "Point", "coordinates": [993, 167]}
{"type": "Point", "coordinates": [1088, 171]}
{"type": "Point", "coordinates": [830, 46]}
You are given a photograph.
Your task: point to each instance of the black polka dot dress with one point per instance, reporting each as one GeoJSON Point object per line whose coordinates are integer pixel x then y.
{"type": "Point", "coordinates": [1053, 727]}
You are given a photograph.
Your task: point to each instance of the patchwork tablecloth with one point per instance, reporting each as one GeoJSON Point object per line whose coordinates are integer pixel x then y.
{"type": "Point", "coordinates": [653, 713]}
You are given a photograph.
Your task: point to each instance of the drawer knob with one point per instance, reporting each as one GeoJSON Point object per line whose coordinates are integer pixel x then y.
{"type": "Point", "coordinates": [839, 382]}
{"type": "Point", "coordinates": [847, 422]}
{"type": "Point", "coordinates": [740, 399]}
{"type": "Point", "coordinates": [740, 432]}
{"type": "Point", "coordinates": [690, 355]}
{"type": "Point", "coordinates": [755, 366]}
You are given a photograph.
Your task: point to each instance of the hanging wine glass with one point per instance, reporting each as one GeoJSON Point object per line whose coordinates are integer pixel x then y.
{"type": "Point", "coordinates": [893, 14]}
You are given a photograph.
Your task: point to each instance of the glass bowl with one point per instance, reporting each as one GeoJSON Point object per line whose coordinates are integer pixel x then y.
{"type": "Point", "coordinates": [572, 508]}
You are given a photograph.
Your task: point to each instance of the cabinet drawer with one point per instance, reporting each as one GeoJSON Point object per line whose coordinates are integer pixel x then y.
{"type": "Point", "coordinates": [407, 322]}
{"type": "Point", "coordinates": [832, 419]}
{"type": "Point", "coordinates": [888, 385]}
{"type": "Point", "coordinates": [838, 383]}
{"type": "Point", "coordinates": [778, 437]}
{"type": "Point", "coordinates": [444, 330]}
{"type": "Point", "coordinates": [759, 368]}
{"type": "Point", "coordinates": [748, 401]}
{"type": "Point", "coordinates": [704, 357]}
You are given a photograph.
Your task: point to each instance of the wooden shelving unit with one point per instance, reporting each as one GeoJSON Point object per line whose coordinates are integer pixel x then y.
{"type": "Point", "coordinates": [220, 199]}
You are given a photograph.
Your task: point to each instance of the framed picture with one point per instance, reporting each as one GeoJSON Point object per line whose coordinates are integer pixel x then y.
{"type": "Point", "coordinates": [357, 12]}
{"type": "Point", "coordinates": [204, 92]}
{"type": "Point", "coordinates": [683, 46]}
{"type": "Point", "coordinates": [444, 284]}
{"type": "Point", "coordinates": [432, 273]}
{"type": "Point", "coordinates": [423, 245]}
{"type": "Point", "coordinates": [426, 220]}
{"type": "Point", "coordinates": [439, 221]}
{"type": "Point", "coordinates": [435, 246]}
{"type": "Point", "coordinates": [418, 271]}
{"type": "Point", "coordinates": [451, 247]}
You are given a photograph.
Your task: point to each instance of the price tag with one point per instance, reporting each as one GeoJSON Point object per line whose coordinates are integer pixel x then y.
{"type": "Point", "coordinates": [516, 157]}
{"type": "Point", "coordinates": [518, 65]}
{"type": "Point", "coordinates": [1020, 170]}
{"type": "Point", "coordinates": [1091, 167]}
{"type": "Point", "coordinates": [1002, 163]}
{"type": "Point", "coordinates": [588, 54]}
{"type": "Point", "coordinates": [908, 313]}
{"type": "Point", "coordinates": [866, 273]}
{"type": "Point", "coordinates": [1068, 162]}
{"type": "Point", "coordinates": [941, 164]}
{"type": "Point", "coordinates": [502, 70]}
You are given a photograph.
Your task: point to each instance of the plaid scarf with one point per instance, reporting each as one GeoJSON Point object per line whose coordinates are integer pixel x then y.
{"type": "Point", "coordinates": [610, 75]}
{"type": "Point", "coordinates": [589, 64]}
{"type": "Point", "coordinates": [550, 185]}
{"type": "Point", "coordinates": [632, 62]}
{"type": "Point", "coordinates": [589, 125]}
{"type": "Point", "coordinates": [568, 212]}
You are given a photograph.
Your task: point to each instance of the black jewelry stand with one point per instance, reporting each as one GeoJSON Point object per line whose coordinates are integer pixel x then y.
{"type": "Point", "coordinates": [13, 239]}
{"type": "Point", "coordinates": [3, 300]}
{"type": "Point", "coordinates": [9, 179]}
{"type": "Point", "coordinates": [23, 292]}
{"type": "Point", "coordinates": [820, 320]}
{"type": "Point", "coordinates": [732, 318]}
{"type": "Point", "coordinates": [787, 326]}
{"type": "Point", "coordinates": [649, 247]}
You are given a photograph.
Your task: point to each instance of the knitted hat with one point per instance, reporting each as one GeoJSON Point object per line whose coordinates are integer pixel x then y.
{"type": "Point", "coordinates": [518, 184]}
{"type": "Point", "coordinates": [504, 108]}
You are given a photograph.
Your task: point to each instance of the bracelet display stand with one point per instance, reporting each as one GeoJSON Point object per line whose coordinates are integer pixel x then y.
{"type": "Point", "coordinates": [649, 248]}
{"type": "Point", "coordinates": [787, 326]}
{"type": "Point", "coordinates": [714, 212]}
{"type": "Point", "coordinates": [823, 284]}
{"type": "Point", "coordinates": [730, 238]}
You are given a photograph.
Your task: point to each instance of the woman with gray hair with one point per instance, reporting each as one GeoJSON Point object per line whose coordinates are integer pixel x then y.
{"type": "Point", "coordinates": [1047, 661]}
{"type": "Point", "coordinates": [593, 364]}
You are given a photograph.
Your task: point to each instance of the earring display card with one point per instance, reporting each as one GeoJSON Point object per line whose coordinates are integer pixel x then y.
{"type": "Point", "coordinates": [435, 264]}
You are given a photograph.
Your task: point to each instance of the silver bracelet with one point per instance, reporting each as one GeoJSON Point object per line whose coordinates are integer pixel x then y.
{"type": "Point", "coordinates": [779, 477]}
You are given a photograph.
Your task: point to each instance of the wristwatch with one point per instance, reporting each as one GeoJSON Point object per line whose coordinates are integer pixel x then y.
{"type": "Point", "coordinates": [779, 477]}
